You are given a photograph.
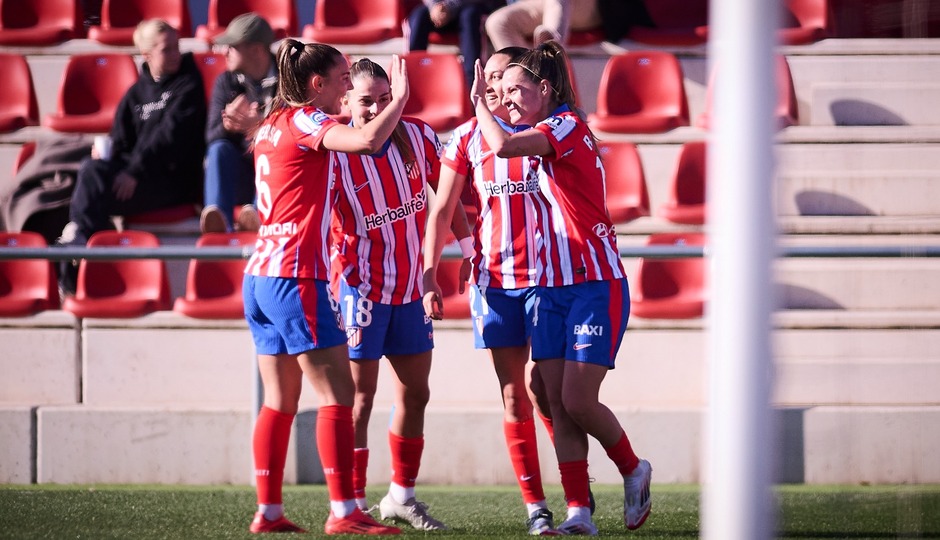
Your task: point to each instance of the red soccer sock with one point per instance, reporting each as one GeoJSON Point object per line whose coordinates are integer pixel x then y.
{"type": "Point", "coordinates": [406, 458]}
{"type": "Point", "coordinates": [575, 482]}
{"type": "Point", "coordinates": [524, 455]}
{"type": "Point", "coordinates": [270, 440]}
{"type": "Point", "coordinates": [335, 443]}
{"type": "Point", "coordinates": [549, 425]}
{"type": "Point", "coordinates": [623, 456]}
{"type": "Point", "coordinates": [360, 464]}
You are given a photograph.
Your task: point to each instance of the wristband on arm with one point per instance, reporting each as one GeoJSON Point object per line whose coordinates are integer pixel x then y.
{"type": "Point", "coordinates": [466, 247]}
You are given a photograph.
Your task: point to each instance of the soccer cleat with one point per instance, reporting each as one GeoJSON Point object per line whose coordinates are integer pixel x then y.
{"type": "Point", "coordinates": [357, 523]}
{"type": "Point", "coordinates": [248, 219]}
{"type": "Point", "coordinates": [636, 495]}
{"type": "Point", "coordinates": [541, 523]}
{"type": "Point", "coordinates": [413, 512]}
{"type": "Point", "coordinates": [582, 526]}
{"type": "Point", "coordinates": [280, 525]}
{"type": "Point", "coordinates": [212, 221]}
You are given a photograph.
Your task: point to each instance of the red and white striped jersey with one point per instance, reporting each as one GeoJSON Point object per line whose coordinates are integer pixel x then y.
{"type": "Point", "coordinates": [292, 178]}
{"type": "Point", "coordinates": [577, 241]}
{"type": "Point", "coordinates": [504, 232]}
{"type": "Point", "coordinates": [380, 215]}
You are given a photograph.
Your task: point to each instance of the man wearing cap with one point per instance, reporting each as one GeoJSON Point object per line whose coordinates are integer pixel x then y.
{"type": "Point", "coordinates": [240, 98]}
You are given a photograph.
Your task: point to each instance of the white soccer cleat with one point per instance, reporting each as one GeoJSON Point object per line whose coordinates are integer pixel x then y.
{"type": "Point", "coordinates": [413, 512]}
{"type": "Point", "coordinates": [636, 495]}
{"type": "Point", "coordinates": [541, 523]}
{"type": "Point", "coordinates": [578, 525]}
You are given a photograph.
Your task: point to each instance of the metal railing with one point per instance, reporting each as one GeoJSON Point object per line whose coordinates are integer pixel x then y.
{"type": "Point", "coordinates": [650, 252]}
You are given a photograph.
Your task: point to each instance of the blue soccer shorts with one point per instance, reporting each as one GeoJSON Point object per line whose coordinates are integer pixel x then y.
{"type": "Point", "coordinates": [501, 317]}
{"type": "Point", "coordinates": [374, 329]}
{"type": "Point", "coordinates": [583, 322]}
{"type": "Point", "coordinates": [290, 315]}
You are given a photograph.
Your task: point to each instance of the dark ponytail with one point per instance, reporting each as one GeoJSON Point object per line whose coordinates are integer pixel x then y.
{"type": "Point", "coordinates": [296, 63]}
{"type": "Point", "coordinates": [549, 62]}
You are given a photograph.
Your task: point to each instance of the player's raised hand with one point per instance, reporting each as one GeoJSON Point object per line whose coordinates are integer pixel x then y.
{"type": "Point", "coordinates": [398, 76]}
{"type": "Point", "coordinates": [478, 89]}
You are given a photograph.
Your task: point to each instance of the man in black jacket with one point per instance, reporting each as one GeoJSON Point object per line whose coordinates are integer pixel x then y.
{"type": "Point", "coordinates": [240, 98]}
{"type": "Point", "coordinates": [157, 143]}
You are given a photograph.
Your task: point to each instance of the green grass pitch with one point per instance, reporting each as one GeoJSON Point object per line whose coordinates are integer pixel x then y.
{"type": "Point", "coordinates": [178, 512]}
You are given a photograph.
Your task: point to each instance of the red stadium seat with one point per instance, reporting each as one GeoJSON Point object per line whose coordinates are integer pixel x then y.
{"type": "Point", "coordinates": [438, 91]}
{"type": "Point", "coordinates": [18, 106]}
{"type": "Point", "coordinates": [214, 288]}
{"type": "Point", "coordinates": [641, 92]}
{"type": "Point", "coordinates": [670, 288]}
{"type": "Point", "coordinates": [91, 88]}
{"type": "Point", "coordinates": [27, 286]}
{"type": "Point", "coordinates": [456, 305]}
{"type": "Point", "coordinates": [677, 23]}
{"type": "Point", "coordinates": [121, 288]}
{"type": "Point", "coordinates": [786, 110]}
{"type": "Point", "coordinates": [39, 22]}
{"type": "Point", "coordinates": [804, 21]}
{"type": "Point", "coordinates": [211, 65]}
{"type": "Point", "coordinates": [627, 198]}
{"type": "Point", "coordinates": [355, 21]}
{"type": "Point", "coordinates": [280, 14]}
{"type": "Point", "coordinates": [119, 18]}
{"type": "Point", "coordinates": [685, 199]}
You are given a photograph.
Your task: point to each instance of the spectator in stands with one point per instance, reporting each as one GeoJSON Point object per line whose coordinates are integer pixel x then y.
{"type": "Point", "coordinates": [240, 99]}
{"type": "Point", "coordinates": [91, 9]}
{"type": "Point", "coordinates": [619, 16]}
{"type": "Point", "coordinates": [450, 16]}
{"type": "Point", "coordinates": [157, 142]}
{"type": "Point", "coordinates": [527, 23]}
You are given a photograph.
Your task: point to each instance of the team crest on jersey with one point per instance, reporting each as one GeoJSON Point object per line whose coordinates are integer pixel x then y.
{"type": "Point", "coordinates": [354, 336]}
{"type": "Point", "coordinates": [411, 168]}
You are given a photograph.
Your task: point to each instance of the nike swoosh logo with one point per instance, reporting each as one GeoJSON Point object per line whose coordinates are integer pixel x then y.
{"type": "Point", "coordinates": [525, 478]}
{"type": "Point", "coordinates": [358, 188]}
{"type": "Point", "coordinates": [579, 346]}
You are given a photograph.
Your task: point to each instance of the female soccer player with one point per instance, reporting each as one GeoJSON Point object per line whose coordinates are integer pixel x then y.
{"type": "Point", "coordinates": [502, 293]}
{"type": "Point", "coordinates": [582, 301]}
{"type": "Point", "coordinates": [293, 319]}
{"type": "Point", "coordinates": [379, 220]}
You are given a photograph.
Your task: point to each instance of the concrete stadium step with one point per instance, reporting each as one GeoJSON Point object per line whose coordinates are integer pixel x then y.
{"type": "Point", "coordinates": [822, 81]}
{"type": "Point", "coordinates": [870, 172]}
{"type": "Point", "coordinates": [858, 284]}
{"type": "Point", "coordinates": [89, 445]}
{"type": "Point", "coordinates": [166, 360]}
{"type": "Point", "coordinates": [858, 193]}
{"type": "Point", "coordinates": [41, 364]}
